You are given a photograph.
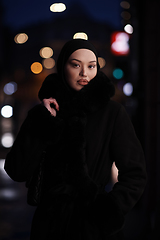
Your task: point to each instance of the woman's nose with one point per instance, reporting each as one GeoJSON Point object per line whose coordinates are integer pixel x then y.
{"type": "Point", "coordinates": [83, 71]}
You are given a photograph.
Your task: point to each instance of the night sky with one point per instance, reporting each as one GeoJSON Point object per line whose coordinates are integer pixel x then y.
{"type": "Point", "coordinates": [18, 14]}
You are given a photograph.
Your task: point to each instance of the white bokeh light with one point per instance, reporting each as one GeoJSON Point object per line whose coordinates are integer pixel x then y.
{"type": "Point", "coordinates": [57, 7]}
{"type": "Point", "coordinates": [80, 35]}
{"type": "Point", "coordinates": [21, 38]}
{"type": "Point", "coordinates": [7, 140]}
{"type": "Point", "coordinates": [8, 194]}
{"type": "Point", "coordinates": [128, 29]}
{"type": "Point", "coordinates": [128, 89]}
{"type": "Point", "coordinates": [3, 173]}
{"type": "Point", "coordinates": [46, 52]}
{"type": "Point", "coordinates": [7, 111]}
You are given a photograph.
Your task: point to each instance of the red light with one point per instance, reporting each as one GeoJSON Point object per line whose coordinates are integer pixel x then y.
{"type": "Point", "coordinates": [119, 43]}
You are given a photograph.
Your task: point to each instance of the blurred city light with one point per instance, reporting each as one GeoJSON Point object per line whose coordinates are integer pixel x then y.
{"type": "Point", "coordinates": [128, 89]}
{"type": "Point", "coordinates": [2, 161]}
{"type": "Point", "coordinates": [46, 52]}
{"type": "Point", "coordinates": [126, 15]}
{"type": "Point", "coordinates": [7, 140]}
{"type": "Point", "coordinates": [21, 38]}
{"type": "Point", "coordinates": [36, 67]}
{"type": "Point", "coordinates": [118, 73]}
{"type": "Point", "coordinates": [125, 4]}
{"type": "Point", "coordinates": [101, 62]}
{"type": "Point", "coordinates": [3, 174]}
{"type": "Point", "coordinates": [48, 63]}
{"type": "Point", "coordinates": [58, 7]}
{"type": "Point", "coordinates": [7, 124]}
{"type": "Point", "coordinates": [119, 43]}
{"type": "Point", "coordinates": [81, 35]}
{"type": "Point", "coordinates": [7, 111]}
{"type": "Point", "coordinates": [128, 28]}
{"type": "Point", "coordinates": [10, 88]}
{"type": "Point", "coordinates": [8, 193]}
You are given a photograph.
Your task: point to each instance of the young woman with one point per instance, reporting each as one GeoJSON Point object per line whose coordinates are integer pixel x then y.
{"type": "Point", "coordinates": [83, 133]}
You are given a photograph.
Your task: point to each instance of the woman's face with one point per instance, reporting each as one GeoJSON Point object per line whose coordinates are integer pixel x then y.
{"type": "Point", "coordinates": [80, 68]}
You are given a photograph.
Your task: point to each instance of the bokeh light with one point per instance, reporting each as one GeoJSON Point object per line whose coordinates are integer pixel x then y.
{"type": "Point", "coordinates": [125, 4]}
{"type": "Point", "coordinates": [128, 28]}
{"type": "Point", "coordinates": [3, 175]}
{"type": "Point", "coordinates": [7, 140]}
{"type": "Point", "coordinates": [58, 7]}
{"type": "Point", "coordinates": [119, 43]}
{"type": "Point", "coordinates": [8, 194]}
{"type": "Point", "coordinates": [101, 62]}
{"type": "Point", "coordinates": [10, 88]}
{"type": "Point", "coordinates": [128, 89]}
{"type": "Point", "coordinates": [36, 67]}
{"type": "Point", "coordinates": [7, 111]}
{"type": "Point", "coordinates": [118, 73]}
{"type": "Point", "coordinates": [48, 63]}
{"type": "Point", "coordinates": [21, 38]}
{"type": "Point", "coordinates": [46, 52]}
{"type": "Point", "coordinates": [126, 15]}
{"type": "Point", "coordinates": [81, 35]}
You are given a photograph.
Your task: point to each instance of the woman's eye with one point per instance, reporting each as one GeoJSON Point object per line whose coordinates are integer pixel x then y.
{"type": "Point", "coordinates": [76, 65]}
{"type": "Point", "coordinates": [92, 66]}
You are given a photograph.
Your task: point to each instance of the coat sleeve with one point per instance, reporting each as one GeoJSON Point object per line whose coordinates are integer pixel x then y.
{"type": "Point", "coordinates": [128, 155]}
{"type": "Point", "coordinates": [37, 131]}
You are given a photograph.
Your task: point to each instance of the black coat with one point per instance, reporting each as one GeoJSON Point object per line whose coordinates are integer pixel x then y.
{"type": "Point", "coordinates": [89, 133]}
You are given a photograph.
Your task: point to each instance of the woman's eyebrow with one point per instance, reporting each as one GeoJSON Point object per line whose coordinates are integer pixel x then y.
{"type": "Point", "coordinates": [81, 61]}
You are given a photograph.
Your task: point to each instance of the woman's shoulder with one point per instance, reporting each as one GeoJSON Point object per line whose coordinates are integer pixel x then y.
{"type": "Point", "coordinates": [114, 109]}
{"type": "Point", "coordinates": [50, 86]}
{"type": "Point", "coordinates": [36, 109]}
{"type": "Point", "coordinates": [38, 113]}
{"type": "Point", "coordinates": [114, 106]}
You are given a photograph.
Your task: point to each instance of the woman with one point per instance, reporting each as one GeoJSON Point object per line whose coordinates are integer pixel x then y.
{"type": "Point", "coordinates": [82, 132]}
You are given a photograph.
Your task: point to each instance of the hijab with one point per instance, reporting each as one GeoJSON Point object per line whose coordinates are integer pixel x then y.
{"type": "Point", "coordinates": [55, 85]}
{"type": "Point", "coordinates": [70, 47]}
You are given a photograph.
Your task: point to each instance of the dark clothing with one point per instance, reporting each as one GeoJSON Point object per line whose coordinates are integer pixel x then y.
{"type": "Point", "coordinates": [89, 133]}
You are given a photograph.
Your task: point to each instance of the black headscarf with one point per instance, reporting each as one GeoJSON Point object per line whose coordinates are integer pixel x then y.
{"type": "Point", "coordinates": [70, 47]}
{"type": "Point", "coordinates": [55, 85]}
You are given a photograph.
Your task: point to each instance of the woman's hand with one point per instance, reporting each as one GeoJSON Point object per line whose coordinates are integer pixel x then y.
{"type": "Point", "coordinates": [47, 103]}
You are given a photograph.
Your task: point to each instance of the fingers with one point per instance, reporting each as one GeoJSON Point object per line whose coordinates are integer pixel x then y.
{"type": "Point", "coordinates": [52, 111]}
{"type": "Point", "coordinates": [47, 103]}
{"type": "Point", "coordinates": [53, 100]}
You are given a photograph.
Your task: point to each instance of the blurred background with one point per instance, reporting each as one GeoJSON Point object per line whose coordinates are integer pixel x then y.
{"type": "Point", "coordinates": [126, 35]}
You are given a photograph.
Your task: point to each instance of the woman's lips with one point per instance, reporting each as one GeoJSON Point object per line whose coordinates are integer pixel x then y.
{"type": "Point", "coordinates": [83, 82]}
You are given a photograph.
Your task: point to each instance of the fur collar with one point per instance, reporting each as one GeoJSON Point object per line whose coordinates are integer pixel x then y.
{"type": "Point", "coordinates": [88, 99]}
